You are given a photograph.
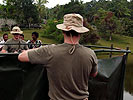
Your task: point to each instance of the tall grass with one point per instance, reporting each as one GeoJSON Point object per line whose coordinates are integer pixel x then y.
{"type": "Point", "coordinates": [119, 41]}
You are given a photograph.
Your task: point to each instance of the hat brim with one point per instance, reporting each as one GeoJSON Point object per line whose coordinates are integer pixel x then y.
{"type": "Point", "coordinates": [12, 32]}
{"type": "Point", "coordinates": [77, 29]}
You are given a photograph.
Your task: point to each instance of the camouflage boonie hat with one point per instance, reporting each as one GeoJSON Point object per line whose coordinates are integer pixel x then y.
{"type": "Point", "coordinates": [16, 30]}
{"type": "Point", "coordinates": [73, 22]}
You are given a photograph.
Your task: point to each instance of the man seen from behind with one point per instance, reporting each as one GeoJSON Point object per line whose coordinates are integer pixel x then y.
{"type": "Point", "coordinates": [69, 65]}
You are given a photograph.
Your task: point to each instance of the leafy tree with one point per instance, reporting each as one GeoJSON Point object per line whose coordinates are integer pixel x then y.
{"type": "Point", "coordinates": [41, 7]}
{"type": "Point", "coordinates": [52, 32]}
{"type": "Point", "coordinates": [75, 6]}
{"type": "Point", "coordinates": [91, 36]}
{"type": "Point", "coordinates": [107, 23]}
{"type": "Point", "coordinates": [22, 11]}
{"type": "Point", "coordinates": [30, 12]}
{"type": "Point", "coordinates": [120, 8]}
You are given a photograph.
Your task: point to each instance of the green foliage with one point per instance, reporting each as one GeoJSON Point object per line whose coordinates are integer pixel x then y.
{"type": "Point", "coordinates": [52, 32]}
{"type": "Point", "coordinates": [21, 10]}
{"type": "Point", "coordinates": [29, 11]}
{"type": "Point", "coordinates": [96, 12]}
{"type": "Point", "coordinates": [41, 8]}
{"type": "Point", "coordinates": [108, 24]}
{"type": "Point", "coordinates": [91, 36]}
{"type": "Point", "coordinates": [75, 6]}
{"type": "Point", "coordinates": [128, 26]}
{"type": "Point", "coordinates": [4, 28]}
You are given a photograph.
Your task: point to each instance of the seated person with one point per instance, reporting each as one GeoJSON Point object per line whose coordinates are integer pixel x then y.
{"type": "Point", "coordinates": [14, 42]}
{"type": "Point", "coordinates": [34, 43]}
{"type": "Point", "coordinates": [5, 38]}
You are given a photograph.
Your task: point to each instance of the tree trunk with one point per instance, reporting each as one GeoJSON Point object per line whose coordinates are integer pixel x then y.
{"type": "Point", "coordinates": [110, 37]}
{"type": "Point", "coordinates": [29, 25]}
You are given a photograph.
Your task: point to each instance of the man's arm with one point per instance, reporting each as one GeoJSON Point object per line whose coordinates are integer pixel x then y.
{"type": "Point", "coordinates": [94, 70]}
{"type": "Point", "coordinates": [23, 57]}
{"type": "Point", "coordinates": [3, 51]}
{"type": "Point", "coordinates": [94, 74]}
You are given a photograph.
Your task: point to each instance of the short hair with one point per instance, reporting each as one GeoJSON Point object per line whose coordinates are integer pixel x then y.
{"type": "Point", "coordinates": [72, 32]}
{"type": "Point", "coordinates": [36, 34]}
{"type": "Point", "coordinates": [22, 35]}
{"type": "Point", "coordinates": [4, 34]}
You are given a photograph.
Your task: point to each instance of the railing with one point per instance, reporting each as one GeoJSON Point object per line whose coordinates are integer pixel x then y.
{"type": "Point", "coordinates": [105, 48]}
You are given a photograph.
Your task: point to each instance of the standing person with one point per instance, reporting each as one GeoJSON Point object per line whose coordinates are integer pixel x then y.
{"type": "Point", "coordinates": [34, 43]}
{"type": "Point", "coordinates": [69, 65]}
{"type": "Point", "coordinates": [22, 36]}
{"type": "Point", "coordinates": [5, 38]}
{"type": "Point", "coordinates": [15, 41]}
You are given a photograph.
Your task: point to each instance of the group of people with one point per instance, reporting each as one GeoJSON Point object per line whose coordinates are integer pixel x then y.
{"type": "Point", "coordinates": [69, 65]}
{"type": "Point", "coordinates": [17, 44]}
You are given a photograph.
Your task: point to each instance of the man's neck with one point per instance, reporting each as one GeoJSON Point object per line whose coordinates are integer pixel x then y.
{"type": "Point", "coordinates": [34, 40]}
{"type": "Point", "coordinates": [70, 40]}
{"type": "Point", "coordinates": [15, 39]}
{"type": "Point", "coordinates": [5, 40]}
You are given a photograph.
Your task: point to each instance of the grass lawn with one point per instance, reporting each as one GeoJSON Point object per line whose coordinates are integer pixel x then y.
{"type": "Point", "coordinates": [27, 35]}
{"type": "Point", "coordinates": [119, 41]}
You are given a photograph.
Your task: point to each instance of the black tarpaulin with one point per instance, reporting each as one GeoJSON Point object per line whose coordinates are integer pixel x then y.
{"type": "Point", "coordinates": [24, 81]}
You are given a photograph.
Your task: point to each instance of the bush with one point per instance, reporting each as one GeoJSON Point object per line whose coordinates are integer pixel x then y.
{"type": "Point", "coordinates": [4, 28]}
{"type": "Point", "coordinates": [89, 37]}
{"type": "Point", "coordinates": [52, 32]}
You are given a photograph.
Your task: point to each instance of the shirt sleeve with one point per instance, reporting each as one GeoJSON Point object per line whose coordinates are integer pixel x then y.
{"type": "Point", "coordinates": [1, 43]}
{"type": "Point", "coordinates": [40, 55]}
{"type": "Point", "coordinates": [5, 47]}
{"type": "Point", "coordinates": [94, 64]}
{"type": "Point", "coordinates": [26, 47]}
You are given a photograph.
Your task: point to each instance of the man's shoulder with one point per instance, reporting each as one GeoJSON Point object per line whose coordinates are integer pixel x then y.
{"type": "Point", "coordinates": [50, 46]}
{"type": "Point", "coordinates": [28, 41]}
{"type": "Point", "coordinates": [23, 41]}
{"type": "Point", "coordinates": [39, 41]}
{"type": "Point", "coordinates": [88, 50]}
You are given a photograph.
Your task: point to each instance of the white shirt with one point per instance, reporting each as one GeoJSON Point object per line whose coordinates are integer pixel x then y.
{"type": "Point", "coordinates": [2, 43]}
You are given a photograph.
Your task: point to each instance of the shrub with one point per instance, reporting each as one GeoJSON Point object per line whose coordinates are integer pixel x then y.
{"type": "Point", "coordinates": [52, 32]}
{"type": "Point", "coordinates": [90, 37]}
{"type": "Point", "coordinates": [5, 28]}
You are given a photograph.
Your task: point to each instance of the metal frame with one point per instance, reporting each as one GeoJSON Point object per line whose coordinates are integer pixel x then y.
{"type": "Point", "coordinates": [105, 48]}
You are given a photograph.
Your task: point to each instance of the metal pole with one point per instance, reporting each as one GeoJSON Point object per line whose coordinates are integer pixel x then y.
{"type": "Point", "coordinates": [111, 52]}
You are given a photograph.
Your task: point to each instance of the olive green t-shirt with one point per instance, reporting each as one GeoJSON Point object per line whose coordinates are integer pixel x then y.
{"type": "Point", "coordinates": [68, 74]}
{"type": "Point", "coordinates": [13, 48]}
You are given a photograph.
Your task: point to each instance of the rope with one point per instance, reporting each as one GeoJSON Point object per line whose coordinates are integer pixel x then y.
{"type": "Point", "coordinates": [71, 51]}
